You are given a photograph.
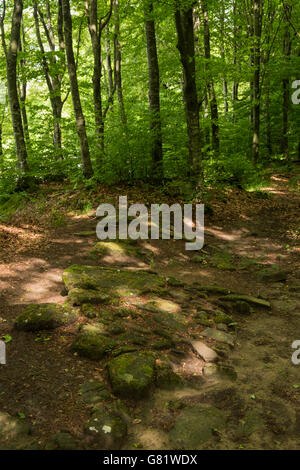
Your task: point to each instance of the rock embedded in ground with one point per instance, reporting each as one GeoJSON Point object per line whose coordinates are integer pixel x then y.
{"type": "Point", "coordinates": [132, 374]}
{"type": "Point", "coordinates": [241, 307]}
{"type": "Point", "coordinates": [223, 318]}
{"type": "Point", "coordinates": [106, 429]}
{"type": "Point", "coordinates": [93, 392]}
{"type": "Point", "coordinates": [214, 290]}
{"type": "Point", "coordinates": [61, 441]}
{"type": "Point", "coordinates": [217, 335]}
{"type": "Point", "coordinates": [195, 426]}
{"type": "Point", "coordinates": [166, 378]}
{"type": "Point", "coordinates": [112, 281]}
{"type": "Point", "coordinates": [37, 317]}
{"type": "Point", "coordinates": [219, 372]}
{"type": "Point", "coordinates": [173, 321]}
{"type": "Point", "coordinates": [202, 318]}
{"type": "Point", "coordinates": [251, 422]}
{"type": "Point", "coordinates": [92, 345]}
{"type": "Point", "coordinates": [12, 428]}
{"type": "Point", "coordinates": [79, 297]}
{"type": "Point", "coordinates": [161, 306]}
{"type": "Point", "coordinates": [272, 275]}
{"type": "Point", "coordinates": [246, 298]}
{"type": "Point", "coordinates": [206, 353]}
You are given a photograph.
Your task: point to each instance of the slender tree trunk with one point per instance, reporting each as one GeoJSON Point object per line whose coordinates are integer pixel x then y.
{"type": "Point", "coordinates": [95, 30]}
{"type": "Point", "coordinates": [210, 85]}
{"type": "Point", "coordinates": [13, 88]}
{"type": "Point", "coordinates": [118, 67]}
{"type": "Point", "coordinates": [80, 121]}
{"type": "Point", "coordinates": [257, 28]}
{"type": "Point", "coordinates": [235, 86]}
{"type": "Point", "coordinates": [154, 92]}
{"type": "Point", "coordinates": [186, 47]}
{"type": "Point", "coordinates": [287, 46]}
{"type": "Point", "coordinates": [225, 83]}
{"type": "Point", "coordinates": [53, 82]}
{"type": "Point", "coordinates": [110, 73]}
{"type": "Point", "coordinates": [23, 91]}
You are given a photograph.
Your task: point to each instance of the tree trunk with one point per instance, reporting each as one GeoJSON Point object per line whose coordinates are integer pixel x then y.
{"type": "Point", "coordinates": [154, 93]}
{"type": "Point", "coordinates": [186, 47]}
{"type": "Point", "coordinates": [225, 83]}
{"type": "Point", "coordinates": [80, 121]}
{"type": "Point", "coordinates": [257, 28]}
{"type": "Point", "coordinates": [95, 30]}
{"type": "Point", "coordinates": [23, 91]}
{"type": "Point", "coordinates": [118, 67]}
{"type": "Point", "coordinates": [287, 46]}
{"type": "Point", "coordinates": [210, 85]}
{"type": "Point", "coordinates": [13, 88]}
{"type": "Point", "coordinates": [53, 83]}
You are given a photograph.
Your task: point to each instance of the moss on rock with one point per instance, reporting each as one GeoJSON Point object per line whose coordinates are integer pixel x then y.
{"type": "Point", "coordinates": [195, 426]}
{"type": "Point", "coordinates": [45, 317]}
{"type": "Point", "coordinates": [132, 374]}
{"type": "Point", "coordinates": [92, 345]}
{"type": "Point", "coordinates": [111, 281]}
{"type": "Point", "coordinates": [79, 297]}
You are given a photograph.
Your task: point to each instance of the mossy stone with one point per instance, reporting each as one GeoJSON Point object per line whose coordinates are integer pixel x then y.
{"type": "Point", "coordinates": [93, 392]}
{"type": "Point", "coordinates": [78, 297]}
{"type": "Point", "coordinates": [93, 346]}
{"type": "Point", "coordinates": [37, 317]}
{"type": "Point", "coordinates": [223, 318]}
{"type": "Point", "coordinates": [166, 378]}
{"type": "Point", "coordinates": [195, 426]}
{"type": "Point", "coordinates": [111, 281]}
{"type": "Point", "coordinates": [132, 374]}
{"type": "Point", "coordinates": [12, 428]}
{"type": "Point", "coordinates": [61, 441]}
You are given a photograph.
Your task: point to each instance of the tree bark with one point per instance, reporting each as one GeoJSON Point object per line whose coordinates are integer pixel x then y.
{"type": "Point", "coordinates": [118, 67]}
{"type": "Point", "coordinates": [53, 82]}
{"type": "Point", "coordinates": [210, 85]}
{"type": "Point", "coordinates": [257, 29]}
{"type": "Point", "coordinates": [13, 87]}
{"type": "Point", "coordinates": [80, 120]}
{"type": "Point", "coordinates": [96, 27]}
{"type": "Point", "coordinates": [186, 47]}
{"type": "Point", "coordinates": [154, 93]}
{"type": "Point", "coordinates": [286, 49]}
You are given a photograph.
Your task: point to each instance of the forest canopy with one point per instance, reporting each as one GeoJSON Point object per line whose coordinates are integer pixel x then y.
{"type": "Point", "coordinates": [147, 89]}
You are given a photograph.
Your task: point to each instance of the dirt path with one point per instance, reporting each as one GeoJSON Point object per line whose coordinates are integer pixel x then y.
{"type": "Point", "coordinates": [245, 235]}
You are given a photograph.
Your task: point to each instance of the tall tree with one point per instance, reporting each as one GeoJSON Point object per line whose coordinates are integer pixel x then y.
{"type": "Point", "coordinates": [154, 91]}
{"type": "Point", "coordinates": [286, 50]}
{"type": "Point", "coordinates": [186, 46]}
{"type": "Point", "coordinates": [11, 53]}
{"type": "Point", "coordinates": [257, 12]}
{"type": "Point", "coordinates": [53, 71]}
{"type": "Point", "coordinates": [80, 120]}
{"type": "Point", "coordinates": [210, 83]}
{"type": "Point", "coordinates": [96, 26]}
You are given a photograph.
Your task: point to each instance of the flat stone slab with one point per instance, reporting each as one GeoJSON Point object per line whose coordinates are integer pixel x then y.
{"type": "Point", "coordinates": [207, 354]}
{"type": "Point", "coordinates": [246, 298]}
{"type": "Point", "coordinates": [112, 281]}
{"type": "Point", "coordinates": [37, 317]}
{"type": "Point", "coordinates": [272, 275]}
{"type": "Point", "coordinates": [218, 335]}
{"type": "Point", "coordinates": [195, 425]}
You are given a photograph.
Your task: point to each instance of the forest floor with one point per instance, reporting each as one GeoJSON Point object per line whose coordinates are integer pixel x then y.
{"type": "Point", "coordinates": [251, 390]}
